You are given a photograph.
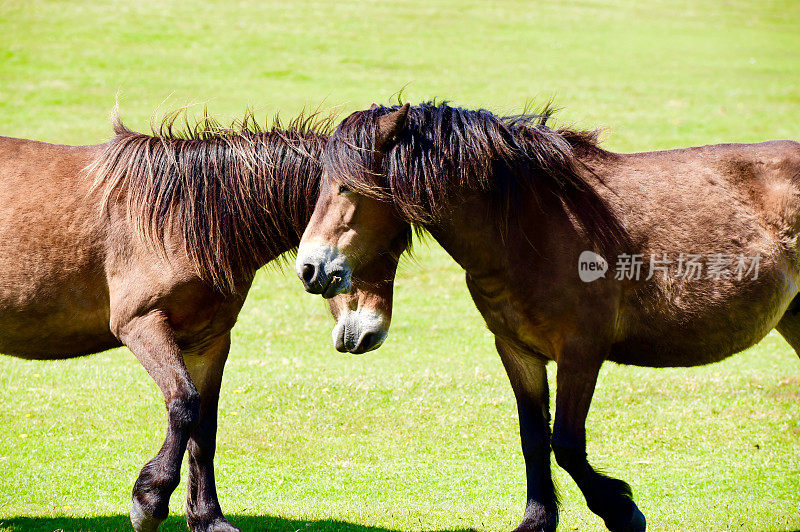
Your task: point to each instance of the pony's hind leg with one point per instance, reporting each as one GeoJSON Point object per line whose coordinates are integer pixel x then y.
{"type": "Point", "coordinates": [609, 498]}
{"type": "Point", "coordinates": [529, 381]}
{"type": "Point", "coordinates": [789, 326]}
{"type": "Point", "coordinates": [203, 512]}
{"type": "Point", "coordinates": [151, 340]}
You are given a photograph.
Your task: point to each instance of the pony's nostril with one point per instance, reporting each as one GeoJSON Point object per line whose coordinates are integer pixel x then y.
{"type": "Point", "coordinates": [309, 272]}
{"type": "Point", "coordinates": [365, 343]}
{"type": "Point", "coordinates": [367, 340]}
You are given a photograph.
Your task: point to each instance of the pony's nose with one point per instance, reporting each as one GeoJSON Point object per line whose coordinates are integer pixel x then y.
{"type": "Point", "coordinates": [317, 281]}
{"type": "Point", "coordinates": [366, 342]}
{"type": "Point", "coordinates": [308, 273]}
{"type": "Point", "coordinates": [323, 269]}
{"type": "Point", "coordinates": [360, 331]}
{"type": "Point", "coordinates": [314, 278]}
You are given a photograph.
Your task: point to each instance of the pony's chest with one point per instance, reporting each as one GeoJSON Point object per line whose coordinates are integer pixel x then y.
{"type": "Point", "coordinates": [202, 318]}
{"type": "Point", "coordinates": [508, 317]}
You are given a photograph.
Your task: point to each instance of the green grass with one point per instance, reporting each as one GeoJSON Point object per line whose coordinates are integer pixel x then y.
{"type": "Point", "coordinates": [422, 434]}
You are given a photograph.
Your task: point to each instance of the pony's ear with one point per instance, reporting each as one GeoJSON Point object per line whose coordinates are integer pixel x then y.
{"type": "Point", "coordinates": [389, 126]}
{"type": "Point", "coordinates": [373, 106]}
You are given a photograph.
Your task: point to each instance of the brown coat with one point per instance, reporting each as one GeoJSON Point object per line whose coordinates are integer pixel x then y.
{"type": "Point", "coordinates": [516, 204]}
{"type": "Point", "coordinates": [152, 242]}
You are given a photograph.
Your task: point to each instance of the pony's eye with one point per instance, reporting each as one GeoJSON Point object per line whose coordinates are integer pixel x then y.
{"type": "Point", "coordinates": [344, 189]}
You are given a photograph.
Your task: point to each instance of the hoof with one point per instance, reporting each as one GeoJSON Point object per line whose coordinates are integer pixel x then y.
{"type": "Point", "coordinates": [141, 520]}
{"type": "Point", "coordinates": [637, 523]}
{"type": "Point", "coordinates": [219, 524]}
{"type": "Point", "coordinates": [534, 527]}
{"type": "Point", "coordinates": [538, 520]}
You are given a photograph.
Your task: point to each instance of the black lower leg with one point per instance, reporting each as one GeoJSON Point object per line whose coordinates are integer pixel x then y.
{"type": "Point", "coordinates": [541, 509]}
{"type": "Point", "coordinates": [150, 337]}
{"type": "Point", "coordinates": [529, 381]}
{"type": "Point", "coordinates": [161, 475]}
{"type": "Point", "coordinates": [203, 511]}
{"type": "Point", "coordinates": [610, 498]}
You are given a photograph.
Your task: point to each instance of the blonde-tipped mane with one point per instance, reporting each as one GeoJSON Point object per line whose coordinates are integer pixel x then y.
{"type": "Point", "coordinates": [238, 196]}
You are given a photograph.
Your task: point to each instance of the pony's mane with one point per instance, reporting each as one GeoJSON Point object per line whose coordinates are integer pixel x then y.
{"type": "Point", "coordinates": [446, 152]}
{"type": "Point", "coordinates": [237, 196]}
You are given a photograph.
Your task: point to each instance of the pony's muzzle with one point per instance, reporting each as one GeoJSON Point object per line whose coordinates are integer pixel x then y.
{"type": "Point", "coordinates": [360, 331]}
{"type": "Point", "coordinates": [363, 343]}
{"type": "Point", "coordinates": [323, 270]}
{"type": "Point", "coordinates": [316, 281]}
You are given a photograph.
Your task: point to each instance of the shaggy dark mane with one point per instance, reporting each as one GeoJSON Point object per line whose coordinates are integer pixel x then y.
{"type": "Point", "coordinates": [446, 152]}
{"type": "Point", "coordinates": [238, 196]}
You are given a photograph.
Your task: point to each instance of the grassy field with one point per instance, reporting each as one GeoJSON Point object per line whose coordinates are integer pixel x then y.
{"type": "Point", "coordinates": [422, 434]}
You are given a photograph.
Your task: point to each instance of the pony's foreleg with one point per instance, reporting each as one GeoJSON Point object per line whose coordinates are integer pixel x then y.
{"type": "Point", "coordinates": [203, 512]}
{"type": "Point", "coordinates": [151, 340]}
{"type": "Point", "coordinates": [789, 326]}
{"type": "Point", "coordinates": [529, 381]}
{"type": "Point", "coordinates": [609, 498]}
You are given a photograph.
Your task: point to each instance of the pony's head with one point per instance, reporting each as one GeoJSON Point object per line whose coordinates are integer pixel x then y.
{"type": "Point", "coordinates": [364, 313]}
{"type": "Point", "coordinates": [354, 227]}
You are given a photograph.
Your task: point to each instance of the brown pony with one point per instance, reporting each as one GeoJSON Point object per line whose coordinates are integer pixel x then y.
{"type": "Point", "coordinates": [155, 248]}
{"type": "Point", "coordinates": [535, 216]}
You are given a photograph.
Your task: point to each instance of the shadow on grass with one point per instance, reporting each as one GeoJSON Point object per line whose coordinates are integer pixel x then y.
{"type": "Point", "coordinates": [247, 523]}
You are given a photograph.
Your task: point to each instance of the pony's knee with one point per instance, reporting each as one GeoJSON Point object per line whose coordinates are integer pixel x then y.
{"type": "Point", "coordinates": [569, 458]}
{"type": "Point", "coordinates": [184, 410]}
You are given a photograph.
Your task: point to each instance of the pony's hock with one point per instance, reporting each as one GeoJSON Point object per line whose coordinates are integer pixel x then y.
{"type": "Point", "coordinates": [509, 196]}
{"type": "Point", "coordinates": [161, 238]}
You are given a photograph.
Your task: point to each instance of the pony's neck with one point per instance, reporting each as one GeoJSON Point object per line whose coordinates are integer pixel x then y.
{"type": "Point", "coordinates": [232, 200]}
{"type": "Point", "coordinates": [480, 243]}
{"type": "Point", "coordinates": [470, 236]}
{"type": "Point", "coordinates": [283, 206]}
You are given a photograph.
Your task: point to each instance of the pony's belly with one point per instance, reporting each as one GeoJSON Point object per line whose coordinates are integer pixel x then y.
{"type": "Point", "coordinates": [53, 338]}
{"type": "Point", "coordinates": [684, 345]}
{"type": "Point", "coordinates": [693, 348]}
{"type": "Point", "coordinates": [709, 329]}
{"type": "Point", "coordinates": [60, 347]}
{"type": "Point", "coordinates": [55, 325]}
